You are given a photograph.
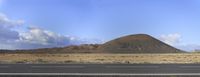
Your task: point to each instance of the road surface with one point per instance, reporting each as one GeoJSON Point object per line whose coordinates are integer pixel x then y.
{"type": "Point", "coordinates": [94, 69]}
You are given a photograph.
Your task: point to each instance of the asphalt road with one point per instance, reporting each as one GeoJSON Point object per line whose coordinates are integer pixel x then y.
{"type": "Point", "coordinates": [100, 68]}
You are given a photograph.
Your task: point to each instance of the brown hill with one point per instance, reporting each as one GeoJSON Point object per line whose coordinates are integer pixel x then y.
{"type": "Point", "coordinates": [139, 43]}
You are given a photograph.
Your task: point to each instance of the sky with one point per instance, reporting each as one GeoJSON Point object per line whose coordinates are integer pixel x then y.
{"type": "Point", "coordinates": [29, 24]}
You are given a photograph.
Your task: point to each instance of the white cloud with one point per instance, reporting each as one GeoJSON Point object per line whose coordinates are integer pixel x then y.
{"type": "Point", "coordinates": [171, 39]}
{"type": "Point", "coordinates": [7, 23]}
{"type": "Point", "coordinates": [7, 34]}
{"type": "Point", "coordinates": [38, 38]}
{"type": "Point", "coordinates": [6, 26]}
{"type": "Point", "coordinates": [33, 37]}
{"type": "Point", "coordinates": [44, 37]}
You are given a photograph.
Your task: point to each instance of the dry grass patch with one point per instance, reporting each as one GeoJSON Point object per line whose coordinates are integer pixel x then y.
{"type": "Point", "coordinates": [101, 58]}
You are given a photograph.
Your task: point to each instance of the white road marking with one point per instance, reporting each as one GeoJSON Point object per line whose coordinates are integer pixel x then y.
{"type": "Point", "coordinates": [100, 74]}
{"type": "Point", "coordinates": [132, 66]}
{"type": "Point", "coordinates": [57, 66]}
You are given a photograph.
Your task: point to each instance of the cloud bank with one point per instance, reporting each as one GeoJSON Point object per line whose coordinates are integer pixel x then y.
{"type": "Point", "coordinates": [174, 39]}
{"type": "Point", "coordinates": [171, 39]}
{"type": "Point", "coordinates": [34, 37]}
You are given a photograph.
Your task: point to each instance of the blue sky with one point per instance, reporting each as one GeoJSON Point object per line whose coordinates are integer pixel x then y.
{"type": "Point", "coordinates": [175, 22]}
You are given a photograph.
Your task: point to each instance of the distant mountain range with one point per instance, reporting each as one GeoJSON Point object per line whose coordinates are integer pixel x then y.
{"type": "Point", "coordinates": [138, 43]}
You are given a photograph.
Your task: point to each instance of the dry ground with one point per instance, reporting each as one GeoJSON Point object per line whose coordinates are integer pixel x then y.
{"type": "Point", "coordinates": [101, 58]}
